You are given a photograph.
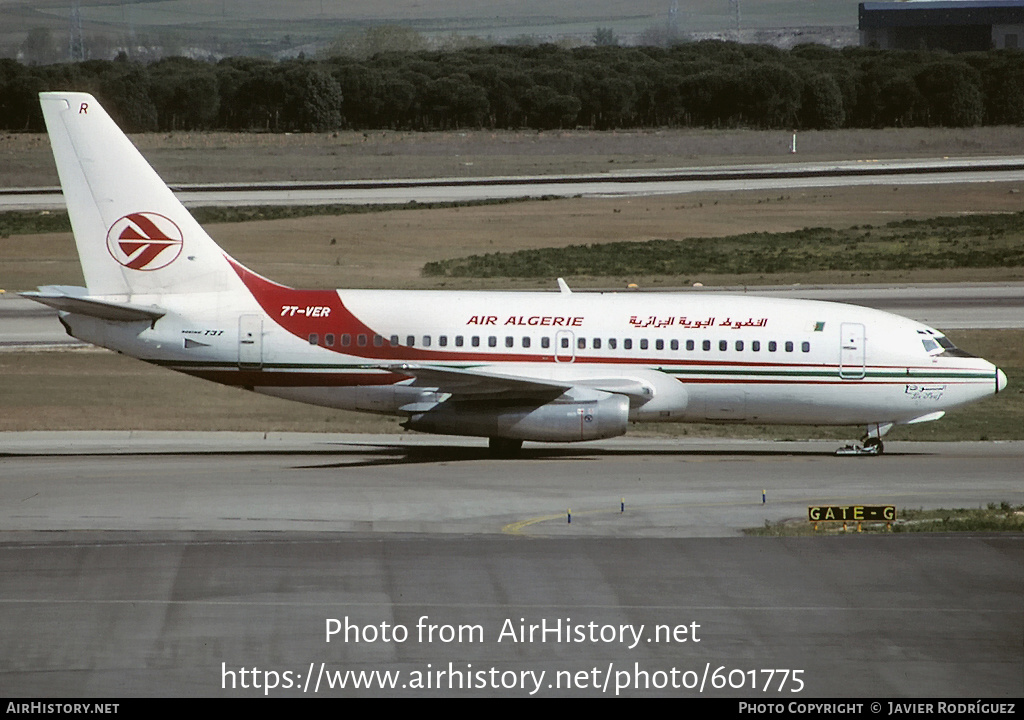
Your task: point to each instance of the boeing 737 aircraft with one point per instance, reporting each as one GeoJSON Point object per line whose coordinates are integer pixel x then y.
{"type": "Point", "coordinates": [509, 366]}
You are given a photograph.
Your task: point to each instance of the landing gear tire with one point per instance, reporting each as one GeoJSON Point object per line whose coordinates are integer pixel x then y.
{"type": "Point", "coordinates": [504, 447]}
{"type": "Point", "coordinates": [871, 446]}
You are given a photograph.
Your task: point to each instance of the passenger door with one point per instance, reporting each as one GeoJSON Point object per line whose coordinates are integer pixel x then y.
{"type": "Point", "coordinates": [851, 351]}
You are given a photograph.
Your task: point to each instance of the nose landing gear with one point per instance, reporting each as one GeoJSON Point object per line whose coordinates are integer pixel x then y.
{"type": "Point", "coordinates": [871, 443]}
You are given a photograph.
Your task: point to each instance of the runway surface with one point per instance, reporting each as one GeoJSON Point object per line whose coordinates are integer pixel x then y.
{"type": "Point", "coordinates": [166, 564]}
{"type": "Point", "coordinates": [774, 176]}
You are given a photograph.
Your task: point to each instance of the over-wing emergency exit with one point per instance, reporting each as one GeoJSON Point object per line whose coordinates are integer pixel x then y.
{"type": "Point", "coordinates": [510, 366]}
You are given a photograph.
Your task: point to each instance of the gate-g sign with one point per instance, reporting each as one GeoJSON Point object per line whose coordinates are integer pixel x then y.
{"type": "Point", "coordinates": [851, 513]}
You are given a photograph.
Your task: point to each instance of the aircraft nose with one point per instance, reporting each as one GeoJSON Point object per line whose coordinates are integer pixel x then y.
{"type": "Point", "coordinates": [1000, 380]}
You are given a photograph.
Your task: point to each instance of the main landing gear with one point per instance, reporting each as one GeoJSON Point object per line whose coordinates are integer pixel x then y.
{"type": "Point", "coordinates": [871, 443]}
{"type": "Point", "coordinates": [504, 447]}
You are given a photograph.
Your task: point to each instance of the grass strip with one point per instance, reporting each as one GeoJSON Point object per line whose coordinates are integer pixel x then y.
{"type": "Point", "coordinates": [995, 517]}
{"type": "Point", "coordinates": [971, 241]}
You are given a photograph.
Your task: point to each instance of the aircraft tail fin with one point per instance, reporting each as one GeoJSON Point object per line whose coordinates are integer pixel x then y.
{"type": "Point", "coordinates": [133, 236]}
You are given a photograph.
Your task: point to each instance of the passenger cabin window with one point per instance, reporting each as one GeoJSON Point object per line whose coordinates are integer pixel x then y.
{"type": "Point", "coordinates": [510, 341]}
{"type": "Point", "coordinates": [627, 344]}
{"type": "Point", "coordinates": [755, 345]}
{"type": "Point", "coordinates": [739, 346]}
{"type": "Point", "coordinates": [313, 339]}
{"type": "Point", "coordinates": [789, 346]}
{"type": "Point", "coordinates": [689, 345]}
{"type": "Point", "coordinates": [772, 346]}
{"type": "Point", "coordinates": [329, 339]}
{"type": "Point", "coordinates": [643, 344]}
{"type": "Point", "coordinates": [378, 341]}
{"type": "Point", "coordinates": [426, 341]}
{"type": "Point", "coordinates": [706, 345]}
{"type": "Point", "coordinates": [346, 340]}
{"type": "Point", "coordinates": [394, 341]}
{"type": "Point", "coordinates": [526, 341]}
{"type": "Point", "coordinates": [410, 341]}
{"type": "Point", "coordinates": [805, 346]}
{"type": "Point", "coordinates": [674, 345]}
{"type": "Point", "coordinates": [597, 343]}
{"type": "Point", "coordinates": [458, 341]}
{"type": "Point", "coordinates": [492, 341]}
{"type": "Point", "coordinates": [581, 343]}
{"type": "Point", "coordinates": [723, 345]}
{"type": "Point", "coordinates": [443, 341]}
{"type": "Point", "coordinates": [545, 342]}
{"type": "Point", "coordinates": [475, 342]}
{"type": "Point", "coordinates": [361, 340]}
{"type": "Point", "coordinates": [612, 343]}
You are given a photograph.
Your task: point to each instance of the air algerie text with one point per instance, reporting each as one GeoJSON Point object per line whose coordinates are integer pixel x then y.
{"type": "Point", "coordinates": [553, 320]}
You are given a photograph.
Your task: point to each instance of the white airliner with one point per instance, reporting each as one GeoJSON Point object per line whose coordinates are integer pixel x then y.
{"type": "Point", "coordinates": [509, 366]}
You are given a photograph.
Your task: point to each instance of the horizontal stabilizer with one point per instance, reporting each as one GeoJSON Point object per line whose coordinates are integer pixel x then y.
{"type": "Point", "coordinates": [76, 300]}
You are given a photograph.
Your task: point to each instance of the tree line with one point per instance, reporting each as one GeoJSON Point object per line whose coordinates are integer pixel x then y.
{"type": "Point", "coordinates": [707, 84]}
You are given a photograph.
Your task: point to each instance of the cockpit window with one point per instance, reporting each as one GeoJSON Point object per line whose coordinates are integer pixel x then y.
{"type": "Point", "coordinates": [949, 349]}
{"type": "Point", "coordinates": [936, 344]}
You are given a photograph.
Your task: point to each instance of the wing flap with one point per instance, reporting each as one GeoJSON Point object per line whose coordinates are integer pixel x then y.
{"type": "Point", "coordinates": [463, 381]}
{"type": "Point", "coordinates": [479, 383]}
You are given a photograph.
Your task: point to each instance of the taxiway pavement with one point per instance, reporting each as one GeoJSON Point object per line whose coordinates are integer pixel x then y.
{"type": "Point", "coordinates": [411, 483]}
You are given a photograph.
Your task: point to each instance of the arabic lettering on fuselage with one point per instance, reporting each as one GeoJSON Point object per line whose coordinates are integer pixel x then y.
{"type": "Point", "coordinates": [686, 323]}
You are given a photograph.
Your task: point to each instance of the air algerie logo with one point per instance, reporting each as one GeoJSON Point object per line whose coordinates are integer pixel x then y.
{"type": "Point", "coordinates": [144, 241]}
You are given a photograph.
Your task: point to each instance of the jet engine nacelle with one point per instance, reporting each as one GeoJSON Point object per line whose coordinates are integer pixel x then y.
{"type": "Point", "coordinates": [563, 420]}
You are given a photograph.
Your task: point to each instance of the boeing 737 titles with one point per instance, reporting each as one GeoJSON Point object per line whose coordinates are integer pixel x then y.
{"type": "Point", "coordinates": [509, 366]}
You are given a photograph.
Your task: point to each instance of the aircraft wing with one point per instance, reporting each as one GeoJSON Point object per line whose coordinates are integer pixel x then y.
{"type": "Point", "coordinates": [477, 383]}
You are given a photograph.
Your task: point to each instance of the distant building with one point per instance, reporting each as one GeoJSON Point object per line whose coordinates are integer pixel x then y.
{"type": "Point", "coordinates": [953, 25]}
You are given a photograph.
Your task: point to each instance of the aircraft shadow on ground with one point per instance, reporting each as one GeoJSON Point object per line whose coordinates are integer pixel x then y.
{"type": "Point", "coordinates": [376, 455]}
